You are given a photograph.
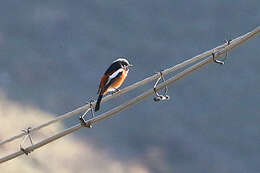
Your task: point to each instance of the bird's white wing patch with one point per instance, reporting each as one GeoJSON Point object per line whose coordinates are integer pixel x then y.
{"type": "Point", "coordinates": [113, 75]}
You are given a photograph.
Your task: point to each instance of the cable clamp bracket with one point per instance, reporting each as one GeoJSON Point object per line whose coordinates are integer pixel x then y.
{"type": "Point", "coordinates": [227, 42]}
{"type": "Point", "coordinates": [160, 97]}
{"type": "Point", "coordinates": [83, 122]}
{"type": "Point", "coordinates": [27, 135]}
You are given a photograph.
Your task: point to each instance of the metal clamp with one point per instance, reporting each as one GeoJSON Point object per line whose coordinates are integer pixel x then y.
{"type": "Point", "coordinates": [228, 43]}
{"type": "Point", "coordinates": [223, 61]}
{"type": "Point", "coordinates": [217, 61]}
{"type": "Point", "coordinates": [83, 122]}
{"type": "Point", "coordinates": [160, 97]}
{"type": "Point", "coordinates": [28, 135]}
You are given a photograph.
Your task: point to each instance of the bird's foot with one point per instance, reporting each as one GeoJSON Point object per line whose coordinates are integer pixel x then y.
{"type": "Point", "coordinates": [115, 91]}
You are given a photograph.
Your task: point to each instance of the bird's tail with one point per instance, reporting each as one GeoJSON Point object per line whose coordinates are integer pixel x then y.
{"type": "Point", "coordinates": [98, 102]}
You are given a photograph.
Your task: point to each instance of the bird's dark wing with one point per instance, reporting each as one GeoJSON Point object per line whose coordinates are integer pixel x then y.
{"type": "Point", "coordinates": [113, 67]}
{"type": "Point", "coordinates": [102, 83]}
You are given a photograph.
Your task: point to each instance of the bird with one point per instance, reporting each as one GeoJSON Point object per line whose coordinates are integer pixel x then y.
{"type": "Point", "coordinates": [113, 78]}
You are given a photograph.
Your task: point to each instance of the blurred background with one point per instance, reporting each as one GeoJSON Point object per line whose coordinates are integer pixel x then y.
{"type": "Point", "coordinates": [53, 54]}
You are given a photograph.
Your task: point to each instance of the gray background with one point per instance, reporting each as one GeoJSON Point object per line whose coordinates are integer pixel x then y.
{"type": "Point", "coordinates": [53, 53]}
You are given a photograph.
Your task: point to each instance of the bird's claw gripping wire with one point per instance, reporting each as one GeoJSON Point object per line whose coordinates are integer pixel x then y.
{"type": "Point", "coordinates": [28, 135]}
{"type": "Point", "coordinates": [223, 61]}
{"type": "Point", "coordinates": [160, 97]}
{"type": "Point", "coordinates": [115, 91]}
{"type": "Point", "coordinates": [83, 122]}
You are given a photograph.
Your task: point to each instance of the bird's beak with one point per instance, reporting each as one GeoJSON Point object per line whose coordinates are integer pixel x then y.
{"type": "Point", "coordinates": [130, 65]}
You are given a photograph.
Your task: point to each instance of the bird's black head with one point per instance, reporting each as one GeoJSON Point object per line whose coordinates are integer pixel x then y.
{"type": "Point", "coordinates": [123, 62]}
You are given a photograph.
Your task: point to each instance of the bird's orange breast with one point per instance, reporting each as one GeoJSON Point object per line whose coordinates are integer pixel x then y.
{"type": "Point", "coordinates": [120, 81]}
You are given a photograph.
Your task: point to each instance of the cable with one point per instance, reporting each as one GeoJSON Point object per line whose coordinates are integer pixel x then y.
{"type": "Point", "coordinates": [133, 86]}
{"type": "Point", "coordinates": [217, 53]}
{"type": "Point", "coordinates": [102, 116]}
{"type": "Point", "coordinates": [129, 88]}
{"type": "Point", "coordinates": [122, 91]}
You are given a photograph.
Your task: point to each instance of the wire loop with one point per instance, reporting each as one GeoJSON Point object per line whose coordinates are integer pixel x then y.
{"type": "Point", "coordinates": [228, 43]}
{"type": "Point", "coordinates": [28, 135]}
{"type": "Point", "coordinates": [238, 41]}
{"type": "Point", "coordinates": [91, 109]}
{"type": "Point", "coordinates": [224, 59]}
{"type": "Point", "coordinates": [216, 60]}
{"type": "Point", "coordinates": [160, 97]}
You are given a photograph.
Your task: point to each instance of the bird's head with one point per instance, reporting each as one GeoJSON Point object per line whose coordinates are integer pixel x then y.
{"type": "Point", "coordinates": [124, 63]}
